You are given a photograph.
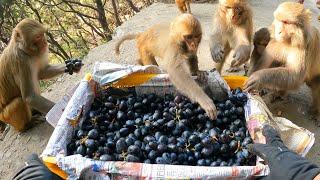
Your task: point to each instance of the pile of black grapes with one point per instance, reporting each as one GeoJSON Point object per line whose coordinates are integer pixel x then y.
{"type": "Point", "coordinates": [164, 130]}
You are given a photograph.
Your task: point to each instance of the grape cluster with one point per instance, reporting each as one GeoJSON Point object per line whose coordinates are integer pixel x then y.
{"type": "Point", "coordinates": [73, 65]}
{"type": "Point", "coordinates": [164, 130]}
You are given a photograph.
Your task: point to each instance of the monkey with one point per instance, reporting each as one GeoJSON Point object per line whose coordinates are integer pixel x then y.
{"type": "Point", "coordinates": [260, 41]}
{"type": "Point", "coordinates": [148, 41]}
{"type": "Point", "coordinates": [176, 44]}
{"type": "Point", "coordinates": [232, 31]}
{"type": "Point", "coordinates": [294, 43]}
{"type": "Point", "coordinates": [22, 64]}
{"type": "Point", "coordinates": [183, 6]}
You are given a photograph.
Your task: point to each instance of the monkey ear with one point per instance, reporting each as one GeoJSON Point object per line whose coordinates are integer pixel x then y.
{"type": "Point", "coordinates": [17, 35]}
{"type": "Point", "coordinates": [37, 37]}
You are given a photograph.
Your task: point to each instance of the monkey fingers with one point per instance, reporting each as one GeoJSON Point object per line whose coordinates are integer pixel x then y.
{"type": "Point", "coordinates": [251, 83]}
{"type": "Point", "coordinates": [240, 56]}
{"type": "Point", "coordinates": [202, 76]}
{"type": "Point", "coordinates": [209, 107]}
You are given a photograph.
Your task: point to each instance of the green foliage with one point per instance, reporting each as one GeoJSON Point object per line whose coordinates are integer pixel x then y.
{"type": "Point", "coordinates": [74, 26]}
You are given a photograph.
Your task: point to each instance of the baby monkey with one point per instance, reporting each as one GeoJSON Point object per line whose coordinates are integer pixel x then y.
{"type": "Point", "coordinates": [176, 44]}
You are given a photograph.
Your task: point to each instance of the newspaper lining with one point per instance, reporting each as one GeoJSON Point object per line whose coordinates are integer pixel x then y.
{"type": "Point", "coordinates": [256, 114]}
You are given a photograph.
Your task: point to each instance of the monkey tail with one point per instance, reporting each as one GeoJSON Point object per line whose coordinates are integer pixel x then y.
{"type": "Point", "coordinates": [124, 38]}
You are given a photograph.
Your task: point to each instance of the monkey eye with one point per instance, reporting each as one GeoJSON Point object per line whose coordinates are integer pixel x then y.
{"type": "Point", "coordinates": [285, 22]}
{"type": "Point", "coordinates": [188, 37]}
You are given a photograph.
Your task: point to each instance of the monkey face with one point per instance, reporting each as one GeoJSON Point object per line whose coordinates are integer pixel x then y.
{"type": "Point", "coordinates": [30, 37]}
{"type": "Point", "coordinates": [282, 30]}
{"type": "Point", "coordinates": [192, 42]}
{"type": "Point", "coordinates": [233, 13]}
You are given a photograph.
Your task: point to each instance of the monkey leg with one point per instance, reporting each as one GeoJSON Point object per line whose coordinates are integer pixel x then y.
{"type": "Point", "coordinates": [17, 113]}
{"type": "Point", "coordinates": [182, 8]}
{"type": "Point", "coordinates": [315, 90]}
{"type": "Point", "coordinates": [188, 7]}
{"type": "Point", "coordinates": [278, 96]}
{"type": "Point", "coordinates": [146, 58]}
{"type": "Point", "coordinates": [227, 50]}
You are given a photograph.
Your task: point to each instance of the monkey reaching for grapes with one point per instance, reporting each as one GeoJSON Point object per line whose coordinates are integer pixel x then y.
{"type": "Point", "coordinates": [232, 31]}
{"type": "Point", "coordinates": [294, 43]}
{"type": "Point", "coordinates": [183, 6]}
{"type": "Point", "coordinates": [22, 64]}
{"type": "Point", "coordinates": [176, 45]}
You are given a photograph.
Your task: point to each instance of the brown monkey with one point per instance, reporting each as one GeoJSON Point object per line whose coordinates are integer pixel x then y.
{"type": "Point", "coordinates": [295, 43]}
{"type": "Point", "coordinates": [22, 64]}
{"type": "Point", "coordinates": [260, 41]}
{"type": "Point", "coordinates": [232, 31]}
{"type": "Point", "coordinates": [183, 6]}
{"type": "Point", "coordinates": [176, 45]}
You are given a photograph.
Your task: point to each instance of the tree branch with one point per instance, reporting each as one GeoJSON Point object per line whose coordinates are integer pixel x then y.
{"type": "Point", "coordinates": [115, 11]}
{"type": "Point", "coordinates": [133, 7]}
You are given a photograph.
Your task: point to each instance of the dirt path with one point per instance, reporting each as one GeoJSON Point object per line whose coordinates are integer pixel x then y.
{"type": "Point", "coordinates": [16, 147]}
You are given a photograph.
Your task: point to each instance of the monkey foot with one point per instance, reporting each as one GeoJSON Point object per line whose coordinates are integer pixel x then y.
{"type": "Point", "coordinates": [4, 129]}
{"type": "Point", "coordinates": [276, 98]}
{"type": "Point", "coordinates": [233, 69]}
{"type": "Point", "coordinates": [263, 92]}
{"type": "Point", "coordinates": [35, 113]}
{"type": "Point", "coordinates": [317, 120]}
{"type": "Point", "coordinates": [35, 120]}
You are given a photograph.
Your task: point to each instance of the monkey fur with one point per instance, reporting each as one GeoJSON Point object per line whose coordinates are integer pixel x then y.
{"type": "Point", "coordinates": [176, 46]}
{"type": "Point", "coordinates": [22, 64]}
{"type": "Point", "coordinates": [294, 43]}
{"type": "Point", "coordinates": [232, 31]}
{"type": "Point", "coordinates": [184, 6]}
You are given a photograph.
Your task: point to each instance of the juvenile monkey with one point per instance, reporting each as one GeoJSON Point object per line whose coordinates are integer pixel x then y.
{"type": "Point", "coordinates": [232, 31]}
{"type": "Point", "coordinates": [176, 45]}
{"type": "Point", "coordinates": [183, 6]}
{"type": "Point", "coordinates": [294, 43]}
{"type": "Point", "coordinates": [22, 64]}
{"type": "Point", "coordinates": [260, 41]}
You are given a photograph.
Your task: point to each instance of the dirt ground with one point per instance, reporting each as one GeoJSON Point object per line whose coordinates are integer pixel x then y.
{"type": "Point", "coordinates": [17, 146]}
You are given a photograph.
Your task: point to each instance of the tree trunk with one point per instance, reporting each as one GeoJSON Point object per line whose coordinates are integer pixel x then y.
{"type": "Point", "coordinates": [115, 10]}
{"type": "Point", "coordinates": [133, 7]}
{"type": "Point", "coordinates": [103, 20]}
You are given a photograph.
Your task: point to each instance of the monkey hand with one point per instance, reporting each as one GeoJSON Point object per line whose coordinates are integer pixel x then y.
{"type": "Point", "coordinates": [253, 82]}
{"type": "Point", "coordinates": [73, 65]}
{"type": "Point", "coordinates": [241, 55]}
{"type": "Point", "coordinates": [202, 76]}
{"type": "Point", "coordinates": [207, 104]}
{"type": "Point", "coordinates": [217, 53]}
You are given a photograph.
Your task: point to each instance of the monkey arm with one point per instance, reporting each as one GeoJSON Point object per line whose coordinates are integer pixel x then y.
{"type": "Point", "coordinates": [281, 78]}
{"type": "Point", "coordinates": [176, 68]}
{"type": "Point", "coordinates": [242, 46]}
{"type": "Point", "coordinates": [264, 60]}
{"type": "Point", "coordinates": [242, 36]}
{"type": "Point", "coordinates": [217, 37]}
{"type": "Point", "coordinates": [28, 83]}
{"type": "Point", "coordinates": [51, 71]}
